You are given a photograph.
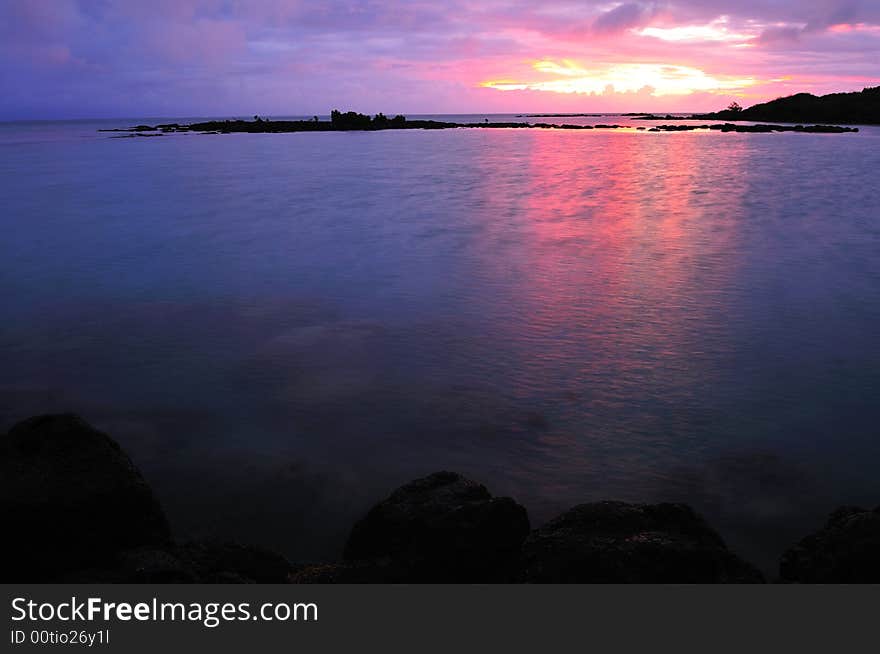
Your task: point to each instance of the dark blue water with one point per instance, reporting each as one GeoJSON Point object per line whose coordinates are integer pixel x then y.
{"type": "Point", "coordinates": [281, 328]}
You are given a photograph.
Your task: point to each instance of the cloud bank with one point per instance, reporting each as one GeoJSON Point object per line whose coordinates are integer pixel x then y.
{"type": "Point", "coordinates": [82, 58]}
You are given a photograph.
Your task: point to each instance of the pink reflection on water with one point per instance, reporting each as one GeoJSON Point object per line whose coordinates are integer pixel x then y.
{"type": "Point", "coordinates": [622, 273]}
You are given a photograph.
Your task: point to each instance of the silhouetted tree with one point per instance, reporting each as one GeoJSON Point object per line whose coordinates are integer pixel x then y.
{"type": "Point", "coordinates": [349, 120]}
{"type": "Point", "coordinates": [735, 107]}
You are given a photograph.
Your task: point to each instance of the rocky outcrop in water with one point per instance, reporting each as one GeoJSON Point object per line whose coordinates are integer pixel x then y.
{"type": "Point", "coordinates": [846, 550]}
{"type": "Point", "coordinates": [616, 542]}
{"type": "Point", "coordinates": [757, 129]}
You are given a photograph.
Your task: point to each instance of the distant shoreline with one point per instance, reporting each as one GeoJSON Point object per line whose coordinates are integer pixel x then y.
{"type": "Point", "coordinates": [858, 108]}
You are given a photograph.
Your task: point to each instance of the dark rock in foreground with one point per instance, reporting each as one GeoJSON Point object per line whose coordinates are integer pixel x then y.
{"type": "Point", "coordinates": [353, 572]}
{"type": "Point", "coordinates": [615, 542]}
{"type": "Point", "coordinates": [75, 509]}
{"type": "Point", "coordinates": [141, 565]}
{"type": "Point", "coordinates": [845, 550]}
{"type": "Point", "coordinates": [70, 497]}
{"type": "Point", "coordinates": [442, 528]}
{"type": "Point", "coordinates": [218, 562]}
{"type": "Point", "coordinates": [194, 562]}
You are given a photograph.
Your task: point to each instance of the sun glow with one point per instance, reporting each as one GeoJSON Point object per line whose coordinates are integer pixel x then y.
{"type": "Point", "coordinates": [656, 79]}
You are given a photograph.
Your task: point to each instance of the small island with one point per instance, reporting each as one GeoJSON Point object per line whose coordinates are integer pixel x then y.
{"type": "Point", "coordinates": [353, 121]}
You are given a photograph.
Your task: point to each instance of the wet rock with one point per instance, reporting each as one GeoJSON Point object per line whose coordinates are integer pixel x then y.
{"type": "Point", "coordinates": [616, 542]}
{"type": "Point", "coordinates": [155, 566]}
{"type": "Point", "coordinates": [357, 572]}
{"type": "Point", "coordinates": [193, 562]}
{"type": "Point", "coordinates": [442, 528]}
{"type": "Point", "coordinates": [143, 565]}
{"type": "Point", "coordinates": [845, 550]}
{"type": "Point", "coordinates": [70, 498]}
{"type": "Point", "coordinates": [215, 561]}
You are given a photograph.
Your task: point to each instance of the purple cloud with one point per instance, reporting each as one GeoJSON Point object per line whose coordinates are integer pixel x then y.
{"type": "Point", "coordinates": [622, 17]}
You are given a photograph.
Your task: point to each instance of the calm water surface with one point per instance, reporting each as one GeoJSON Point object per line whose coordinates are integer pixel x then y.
{"type": "Point", "coordinates": [280, 328]}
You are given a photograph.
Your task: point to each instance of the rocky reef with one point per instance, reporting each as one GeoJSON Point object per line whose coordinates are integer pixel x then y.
{"type": "Point", "coordinates": [757, 129]}
{"type": "Point", "coordinates": [76, 509]}
{"type": "Point", "coordinates": [352, 121]}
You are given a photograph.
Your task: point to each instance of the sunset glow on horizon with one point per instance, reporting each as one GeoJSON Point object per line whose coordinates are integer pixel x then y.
{"type": "Point", "coordinates": [74, 58]}
{"type": "Point", "coordinates": [651, 79]}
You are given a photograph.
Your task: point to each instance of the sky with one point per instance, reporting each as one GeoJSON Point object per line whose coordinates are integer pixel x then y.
{"type": "Point", "coordinates": [117, 58]}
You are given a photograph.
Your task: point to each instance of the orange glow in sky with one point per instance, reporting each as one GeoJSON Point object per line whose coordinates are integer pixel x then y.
{"type": "Point", "coordinates": [653, 55]}
{"type": "Point", "coordinates": [655, 78]}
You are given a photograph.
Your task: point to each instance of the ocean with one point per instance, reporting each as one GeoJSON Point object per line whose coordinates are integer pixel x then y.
{"type": "Point", "coordinates": [281, 328]}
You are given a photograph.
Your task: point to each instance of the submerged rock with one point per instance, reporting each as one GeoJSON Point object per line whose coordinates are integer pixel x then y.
{"type": "Point", "coordinates": [845, 550]}
{"type": "Point", "coordinates": [442, 528]}
{"type": "Point", "coordinates": [616, 542]}
{"type": "Point", "coordinates": [69, 498]}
